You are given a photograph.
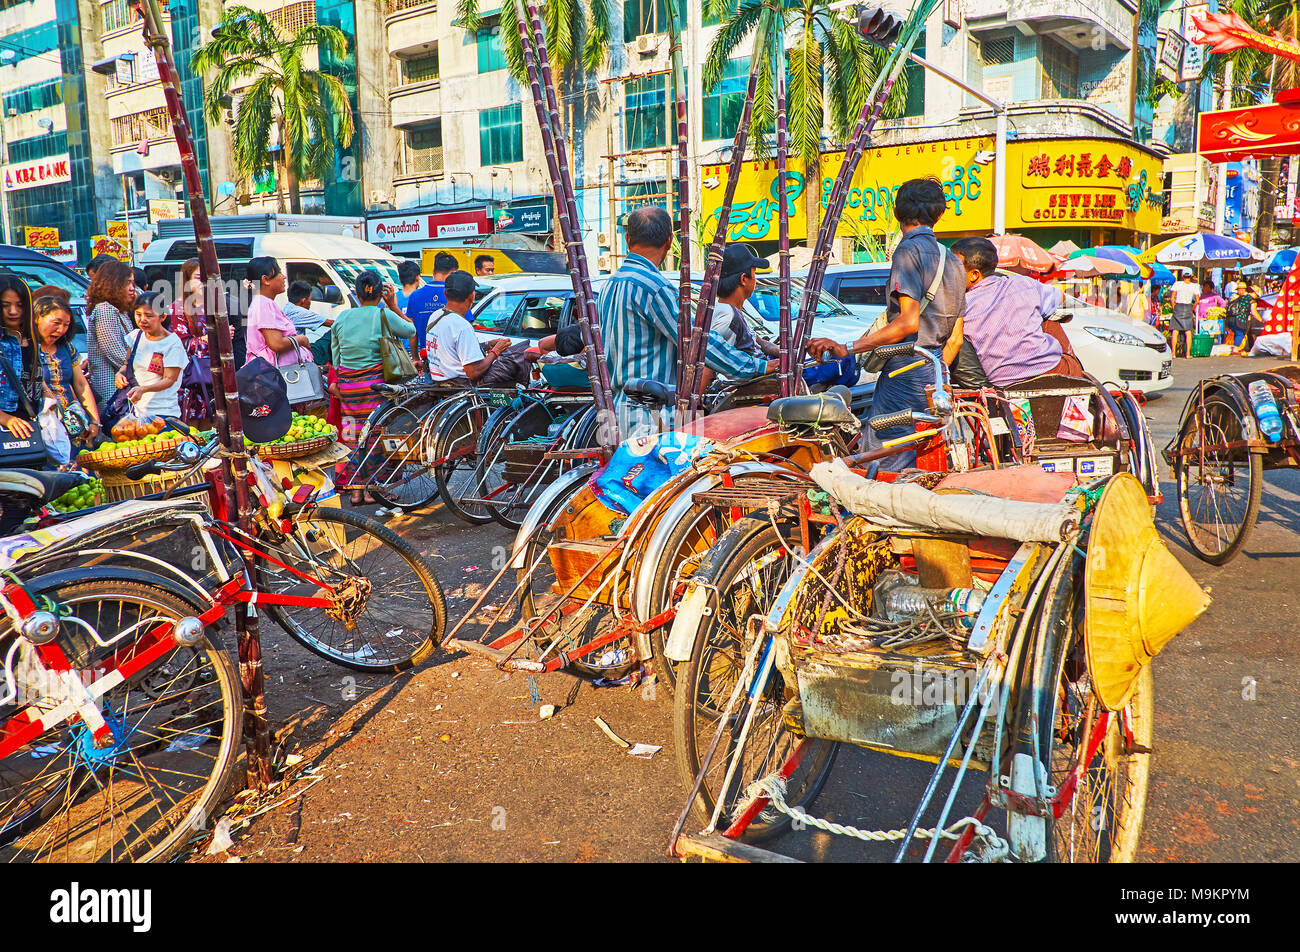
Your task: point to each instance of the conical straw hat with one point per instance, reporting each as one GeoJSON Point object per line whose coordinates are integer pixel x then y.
{"type": "Point", "coordinates": [1136, 594]}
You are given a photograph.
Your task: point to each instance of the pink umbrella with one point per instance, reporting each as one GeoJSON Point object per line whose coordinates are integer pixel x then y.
{"type": "Point", "coordinates": [1084, 266]}
{"type": "Point", "coordinates": [1018, 253]}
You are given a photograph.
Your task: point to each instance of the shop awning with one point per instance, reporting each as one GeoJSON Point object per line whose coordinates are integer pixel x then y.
{"type": "Point", "coordinates": [1230, 135]}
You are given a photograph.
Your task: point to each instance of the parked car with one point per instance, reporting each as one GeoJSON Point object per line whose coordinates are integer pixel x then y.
{"type": "Point", "coordinates": [38, 270]}
{"type": "Point", "coordinates": [1112, 347]}
{"type": "Point", "coordinates": [532, 306]}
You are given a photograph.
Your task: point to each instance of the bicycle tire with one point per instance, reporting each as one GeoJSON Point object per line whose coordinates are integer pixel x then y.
{"type": "Point", "coordinates": [527, 419]}
{"type": "Point", "coordinates": [65, 820]}
{"type": "Point", "coordinates": [406, 483]}
{"type": "Point", "coordinates": [423, 610]}
{"type": "Point", "coordinates": [454, 433]}
{"type": "Point", "coordinates": [1227, 426]}
{"type": "Point", "coordinates": [735, 559]}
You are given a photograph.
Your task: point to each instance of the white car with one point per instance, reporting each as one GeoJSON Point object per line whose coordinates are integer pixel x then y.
{"type": "Point", "coordinates": [1112, 347]}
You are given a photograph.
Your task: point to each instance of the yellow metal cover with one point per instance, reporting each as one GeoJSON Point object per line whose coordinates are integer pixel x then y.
{"type": "Point", "coordinates": [1137, 595]}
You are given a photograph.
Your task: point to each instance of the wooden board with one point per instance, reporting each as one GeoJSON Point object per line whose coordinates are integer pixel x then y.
{"type": "Point", "coordinates": [719, 849]}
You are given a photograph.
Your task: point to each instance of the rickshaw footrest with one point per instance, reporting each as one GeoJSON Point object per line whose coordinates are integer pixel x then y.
{"type": "Point", "coordinates": [721, 849]}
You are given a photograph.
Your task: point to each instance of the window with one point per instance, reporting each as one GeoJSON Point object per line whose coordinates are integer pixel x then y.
{"type": "Point", "coordinates": [999, 51]}
{"type": "Point", "coordinates": [38, 147]}
{"type": "Point", "coordinates": [646, 112]}
{"type": "Point", "coordinates": [34, 41]}
{"type": "Point", "coordinates": [496, 312]}
{"type": "Point", "coordinates": [293, 17]}
{"type": "Point", "coordinates": [117, 14]}
{"type": "Point", "coordinates": [915, 74]}
{"type": "Point", "coordinates": [490, 54]}
{"type": "Point", "coordinates": [501, 135]}
{"type": "Point", "coordinates": [1060, 71]}
{"type": "Point", "coordinates": [34, 97]}
{"type": "Point", "coordinates": [722, 106]}
{"type": "Point", "coordinates": [310, 272]}
{"type": "Point", "coordinates": [541, 316]}
{"type": "Point", "coordinates": [424, 149]}
{"type": "Point", "coordinates": [643, 16]}
{"type": "Point", "coordinates": [860, 291]}
{"type": "Point", "coordinates": [420, 69]}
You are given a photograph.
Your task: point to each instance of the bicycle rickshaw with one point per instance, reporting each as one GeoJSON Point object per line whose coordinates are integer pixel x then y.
{"type": "Point", "coordinates": [1002, 619]}
{"type": "Point", "coordinates": [1221, 451]}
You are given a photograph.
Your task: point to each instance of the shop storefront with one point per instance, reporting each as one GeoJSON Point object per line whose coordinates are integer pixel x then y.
{"type": "Point", "coordinates": [408, 233]}
{"type": "Point", "coordinates": [1090, 191]}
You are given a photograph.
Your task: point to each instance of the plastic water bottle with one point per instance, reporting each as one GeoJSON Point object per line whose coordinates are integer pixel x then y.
{"type": "Point", "coordinates": [1270, 421]}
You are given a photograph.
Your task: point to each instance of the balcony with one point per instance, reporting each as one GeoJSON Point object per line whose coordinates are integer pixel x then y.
{"type": "Point", "coordinates": [412, 26]}
{"type": "Point", "coordinates": [420, 164]}
{"type": "Point", "coordinates": [1073, 21]}
{"type": "Point", "coordinates": [415, 103]}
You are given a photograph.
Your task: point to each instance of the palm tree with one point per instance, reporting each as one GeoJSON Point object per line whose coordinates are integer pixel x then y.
{"type": "Point", "coordinates": [308, 108]}
{"type": "Point", "coordinates": [831, 69]}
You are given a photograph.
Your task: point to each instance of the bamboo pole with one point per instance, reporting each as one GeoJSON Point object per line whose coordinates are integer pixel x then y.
{"type": "Point", "coordinates": [675, 19]}
{"type": "Point", "coordinates": [788, 360]}
{"type": "Point", "coordinates": [229, 423]}
{"type": "Point", "coordinates": [871, 110]}
{"type": "Point", "coordinates": [533, 42]}
{"type": "Point", "coordinates": [688, 401]}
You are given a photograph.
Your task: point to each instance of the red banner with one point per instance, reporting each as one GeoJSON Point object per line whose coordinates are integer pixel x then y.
{"type": "Point", "coordinates": [1230, 135]}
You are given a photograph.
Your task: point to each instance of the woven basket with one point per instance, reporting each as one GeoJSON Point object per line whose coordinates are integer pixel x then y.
{"type": "Point", "coordinates": [117, 488]}
{"type": "Point", "coordinates": [120, 459]}
{"type": "Point", "coordinates": [295, 449]}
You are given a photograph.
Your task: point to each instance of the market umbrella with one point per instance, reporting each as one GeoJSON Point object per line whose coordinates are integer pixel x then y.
{"type": "Point", "coordinates": [1202, 250]}
{"type": "Point", "coordinates": [1277, 262]}
{"type": "Point", "coordinates": [1132, 267]}
{"type": "Point", "coordinates": [1083, 266]}
{"type": "Point", "coordinates": [1064, 248]}
{"type": "Point", "coordinates": [1159, 274]}
{"type": "Point", "coordinates": [1018, 253]}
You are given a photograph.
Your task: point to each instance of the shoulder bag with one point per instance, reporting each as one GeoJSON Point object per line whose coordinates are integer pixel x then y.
{"type": "Point", "coordinates": [19, 452]}
{"type": "Point", "coordinates": [394, 354]}
{"type": "Point", "coordinates": [302, 380]}
{"type": "Point", "coordinates": [119, 405]}
{"type": "Point", "coordinates": [875, 365]}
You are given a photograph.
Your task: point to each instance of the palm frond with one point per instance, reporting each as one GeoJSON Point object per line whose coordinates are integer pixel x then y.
{"type": "Point", "coordinates": [729, 37]}
{"type": "Point", "coordinates": [467, 17]}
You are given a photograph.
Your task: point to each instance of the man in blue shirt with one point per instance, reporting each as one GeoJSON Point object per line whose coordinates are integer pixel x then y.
{"type": "Point", "coordinates": [637, 308]}
{"type": "Point", "coordinates": [428, 300]}
{"type": "Point", "coordinates": [408, 272]}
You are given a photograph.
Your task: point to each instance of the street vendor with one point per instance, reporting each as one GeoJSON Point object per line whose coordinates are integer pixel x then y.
{"type": "Point", "coordinates": [927, 294]}
{"type": "Point", "coordinates": [638, 315]}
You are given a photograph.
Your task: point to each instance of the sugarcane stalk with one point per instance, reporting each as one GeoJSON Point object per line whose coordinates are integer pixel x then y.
{"type": "Point", "coordinates": [787, 359]}
{"type": "Point", "coordinates": [871, 110]}
{"type": "Point", "coordinates": [537, 61]}
{"type": "Point", "coordinates": [225, 390]}
{"type": "Point", "coordinates": [683, 189]}
{"type": "Point", "coordinates": [688, 401]}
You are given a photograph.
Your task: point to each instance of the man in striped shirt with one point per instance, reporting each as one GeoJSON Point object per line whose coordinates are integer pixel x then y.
{"type": "Point", "coordinates": [638, 315]}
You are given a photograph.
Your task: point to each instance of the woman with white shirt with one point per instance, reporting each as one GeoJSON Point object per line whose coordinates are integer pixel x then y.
{"type": "Point", "coordinates": [156, 356]}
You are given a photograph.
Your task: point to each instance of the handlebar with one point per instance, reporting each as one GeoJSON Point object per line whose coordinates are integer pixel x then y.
{"type": "Point", "coordinates": [942, 389]}
{"type": "Point", "coordinates": [186, 459]}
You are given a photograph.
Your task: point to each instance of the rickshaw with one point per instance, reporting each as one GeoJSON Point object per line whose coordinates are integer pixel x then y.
{"type": "Point", "coordinates": [1001, 620]}
{"type": "Point", "coordinates": [1221, 451]}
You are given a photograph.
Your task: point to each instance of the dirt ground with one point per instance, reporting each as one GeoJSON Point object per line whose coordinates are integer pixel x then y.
{"type": "Point", "coordinates": [451, 762]}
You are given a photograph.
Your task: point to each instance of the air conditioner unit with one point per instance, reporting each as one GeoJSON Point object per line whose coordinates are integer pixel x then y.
{"type": "Point", "coordinates": [605, 262]}
{"type": "Point", "coordinates": [647, 43]}
{"type": "Point", "coordinates": [602, 239]}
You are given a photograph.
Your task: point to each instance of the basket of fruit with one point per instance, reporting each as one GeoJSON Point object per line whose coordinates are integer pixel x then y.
{"type": "Point", "coordinates": [307, 434]}
{"type": "Point", "coordinates": [133, 441]}
{"type": "Point", "coordinates": [89, 493]}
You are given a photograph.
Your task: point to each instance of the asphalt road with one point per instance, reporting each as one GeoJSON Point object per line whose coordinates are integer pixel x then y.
{"type": "Point", "coordinates": [451, 762]}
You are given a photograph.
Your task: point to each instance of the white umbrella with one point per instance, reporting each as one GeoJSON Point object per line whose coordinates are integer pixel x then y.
{"type": "Point", "coordinates": [1203, 250]}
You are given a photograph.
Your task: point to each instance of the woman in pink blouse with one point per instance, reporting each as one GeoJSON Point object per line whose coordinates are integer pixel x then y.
{"type": "Point", "coordinates": [269, 333]}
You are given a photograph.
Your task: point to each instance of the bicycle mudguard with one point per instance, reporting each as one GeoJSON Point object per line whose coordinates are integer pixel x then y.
{"type": "Point", "coordinates": [564, 486]}
{"type": "Point", "coordinates": [50, 581]}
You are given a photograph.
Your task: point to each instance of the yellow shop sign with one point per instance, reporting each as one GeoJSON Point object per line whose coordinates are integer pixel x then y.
{"type": "Point", "coordinates": [869, 207]}
{"type": "Point", "coordinates": [1084, 182]}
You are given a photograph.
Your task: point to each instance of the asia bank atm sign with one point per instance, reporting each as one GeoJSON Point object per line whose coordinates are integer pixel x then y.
{"type": "Point", "coordinates": [51, 171]}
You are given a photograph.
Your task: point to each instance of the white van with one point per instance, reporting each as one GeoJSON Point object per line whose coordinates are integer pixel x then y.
{"type": "Point", "coordinates": [328, 262]}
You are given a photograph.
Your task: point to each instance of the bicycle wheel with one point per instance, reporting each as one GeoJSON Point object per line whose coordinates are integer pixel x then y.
{"type": "Point", "coordinates": [1218, 488]}
{"type": "Point", "coordinates": [459, 435]}
{"type": "Point", "coordinates": [747, 567]}
{"type": "Point", "coordinates": [174, 739]}
{"type": "Point", "coordinates": [392, 612]}
{"type": "Point", "coordinates": [402, 475]}
{"type": "Point", "coordinates": [690, 539]}
{"type": "Point", "coordinates": [508, 480]}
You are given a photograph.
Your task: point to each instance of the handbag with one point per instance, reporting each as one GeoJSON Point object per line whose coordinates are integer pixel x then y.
{"type": "Point", "coordinates": [396, 358]}
{"type": "Point", "coordinates": [22, 452]}
{"type": "Point", "coordinates": [119, 404]}
{"type": "Point", "coordinates": [303, 379]}
{"type": "Point", "coordinates": [875, 365]}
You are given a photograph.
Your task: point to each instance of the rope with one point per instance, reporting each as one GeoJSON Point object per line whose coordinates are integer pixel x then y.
{"type": "Point", "coordinates": [772, 786]}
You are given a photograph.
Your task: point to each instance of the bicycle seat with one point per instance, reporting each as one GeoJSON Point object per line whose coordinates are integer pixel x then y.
{"type": "Point", "coordinates": [819, 409]}
{"type": "Point", "coordinates": [39, 486]}
{"type": "Point", "coordinates": [644, 390]}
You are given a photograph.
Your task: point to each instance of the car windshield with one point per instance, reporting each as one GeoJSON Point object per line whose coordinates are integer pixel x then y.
{"type": "Point", "coordinates": [39, 275]}
{"type": "Point", "coordinates": [495, 312]}
{"type": "Point", "coordinates": [349, 268]}
{"type": "Point", "coordinates": [766, 300]}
